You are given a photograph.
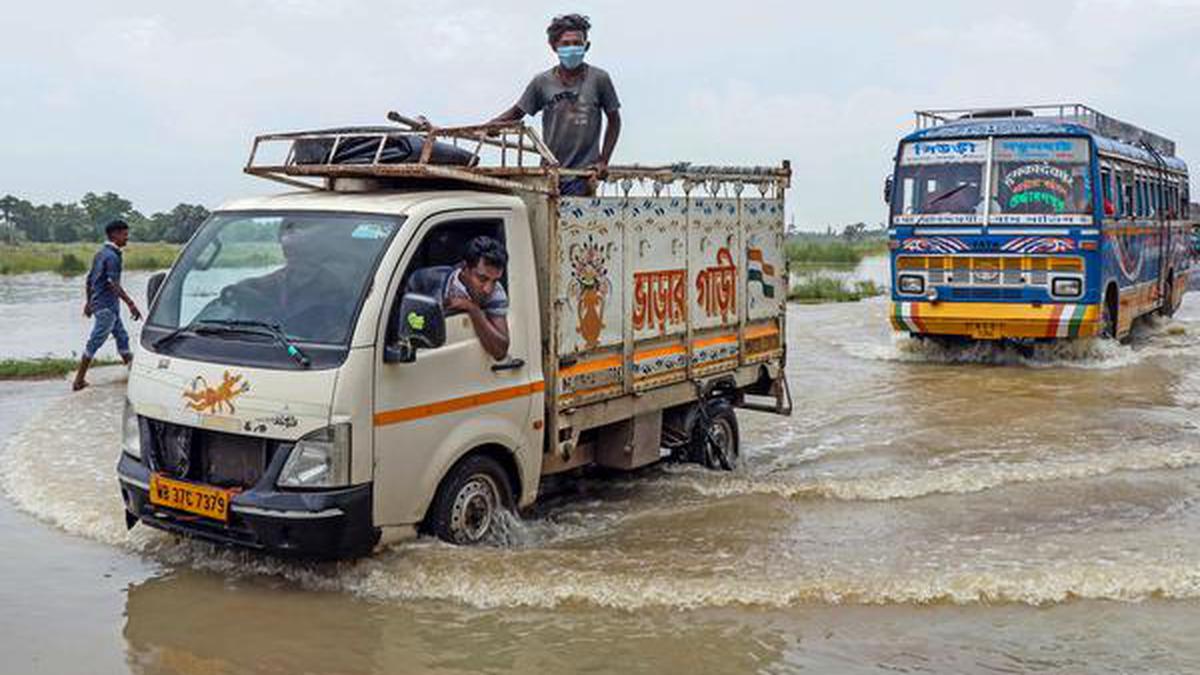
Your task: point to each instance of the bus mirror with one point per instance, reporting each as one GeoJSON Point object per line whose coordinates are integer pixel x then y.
{"type": "Point", "coordinates": [887, 190]}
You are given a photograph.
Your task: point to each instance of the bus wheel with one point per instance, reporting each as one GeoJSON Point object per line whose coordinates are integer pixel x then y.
{"type": "Point", "coordinates": [715, 441]}
{"type": "Point", "coordinates": [1108, 316]}
{"type": "Point", "coordinates": [469, 501]}
{"type": "Point", "coordinates": [1169, 306]}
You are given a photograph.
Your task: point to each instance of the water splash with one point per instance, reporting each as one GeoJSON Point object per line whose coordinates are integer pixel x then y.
{"type": "Point", "coordinates": [953, 479]}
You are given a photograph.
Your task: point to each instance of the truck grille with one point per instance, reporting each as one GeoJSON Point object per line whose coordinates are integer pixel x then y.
{"type": "Point", "coordinates": [210, 457]}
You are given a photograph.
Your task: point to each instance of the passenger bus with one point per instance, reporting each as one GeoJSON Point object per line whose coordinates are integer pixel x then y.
{"type": "Point", "coordinates": [1035, 223]}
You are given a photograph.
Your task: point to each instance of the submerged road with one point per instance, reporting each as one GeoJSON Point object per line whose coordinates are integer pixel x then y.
{"type": "Point", "coordinates": [969, 511]}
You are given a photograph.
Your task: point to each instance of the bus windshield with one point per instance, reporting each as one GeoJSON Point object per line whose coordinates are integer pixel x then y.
{"type": "Point", "coordinates": [1040, 176]}
{"type": "Point", "coordinates": [1032, 180]}
{"type": "Point", "coordinates": [305, 272]}
{"type": "Point", "coordinates": [940, 182]}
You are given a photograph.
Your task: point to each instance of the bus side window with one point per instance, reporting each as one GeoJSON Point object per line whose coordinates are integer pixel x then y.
{"type": "Point", "coordinates": [1106, 191]}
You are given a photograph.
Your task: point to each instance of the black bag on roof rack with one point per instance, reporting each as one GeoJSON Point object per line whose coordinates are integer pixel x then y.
{"type": "Point", "coordinates": [359, 145]}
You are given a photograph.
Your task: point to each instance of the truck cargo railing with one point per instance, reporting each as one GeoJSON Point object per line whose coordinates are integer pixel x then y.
{"type": "Point", "coordinates": [1070, 113]}
{"type": "Point", "coordinates": [506, 156]}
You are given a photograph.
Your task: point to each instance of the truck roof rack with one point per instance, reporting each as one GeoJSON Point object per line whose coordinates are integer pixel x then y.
{"type": "Point", "coordinates": [1068, 113]}
{"type": "Point", "coordinates": [506, 156]}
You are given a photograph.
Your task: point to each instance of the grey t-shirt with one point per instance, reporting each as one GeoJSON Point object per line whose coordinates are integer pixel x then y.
{"type": "Point", "coordinates": [571, 113]}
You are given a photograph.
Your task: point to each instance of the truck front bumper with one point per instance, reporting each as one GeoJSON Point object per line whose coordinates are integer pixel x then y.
{"type": "Point", "coordinates": [997, 320]}
{"type": "Point", "coordinates": [329, 524]}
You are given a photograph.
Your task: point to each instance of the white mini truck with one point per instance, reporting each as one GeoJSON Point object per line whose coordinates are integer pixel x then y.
{"type": "Point", "coordinates": [289, 396]}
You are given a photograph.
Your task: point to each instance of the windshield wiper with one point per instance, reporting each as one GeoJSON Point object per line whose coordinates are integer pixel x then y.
{"type": "Point", "coordinates": [197, 327]}
{"type": "Point", "coordinates": [947, 194]}
{"type": "Point", "coordinates": [271, 330]}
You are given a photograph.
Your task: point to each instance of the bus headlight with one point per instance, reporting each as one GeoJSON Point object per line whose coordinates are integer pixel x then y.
{"type": "Point", "coordinates": [131, 432]}
{"type": "Point", "coordinates": [1067, 288]}
{"type": "Point", "coordinates": [320, 459]}
{"type": "Point", "coordinates": [911, 284]}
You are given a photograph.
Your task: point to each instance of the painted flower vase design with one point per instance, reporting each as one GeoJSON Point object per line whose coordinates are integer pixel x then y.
{"type": "Point", "coordinates": [589, 288]}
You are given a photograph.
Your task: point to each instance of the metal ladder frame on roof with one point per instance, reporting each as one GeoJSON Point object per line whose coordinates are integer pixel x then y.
{"type": "Point", "coordinates": [1075, 113]}
{"type": "Point", "coordinates": [519, 158]}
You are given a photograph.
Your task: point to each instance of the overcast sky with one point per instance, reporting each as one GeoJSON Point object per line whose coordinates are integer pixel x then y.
{"type": "Point", "coordinates": [158, 100]}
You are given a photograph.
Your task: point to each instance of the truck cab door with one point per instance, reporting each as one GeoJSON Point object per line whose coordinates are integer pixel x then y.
{"type": "Point", "coordinates": [455, 398]}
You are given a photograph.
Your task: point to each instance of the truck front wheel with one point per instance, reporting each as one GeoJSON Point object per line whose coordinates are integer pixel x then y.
{"type": "Point", "coordinates": [714, 440]}
{"type": "Point", "coordinates": [469, 501]}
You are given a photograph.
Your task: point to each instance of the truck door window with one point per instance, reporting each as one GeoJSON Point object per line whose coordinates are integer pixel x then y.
{"type": "Point", "coordinates": [442, 247]}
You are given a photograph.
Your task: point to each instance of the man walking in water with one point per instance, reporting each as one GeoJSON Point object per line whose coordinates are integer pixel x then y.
{"type": "Point", "coordinates": [570, 97]}
{"type": "Point", "coordinates": [103, 291]}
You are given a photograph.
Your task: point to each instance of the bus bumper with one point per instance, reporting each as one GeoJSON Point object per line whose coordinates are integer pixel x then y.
{"type": "Point", "coordinates": [325, 525]}
{"type": "Point", "coordinates": [997, 320]}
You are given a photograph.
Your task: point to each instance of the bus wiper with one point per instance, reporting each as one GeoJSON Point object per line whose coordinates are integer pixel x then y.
{"type": "Point", "coordinates": [269, 329]}
{"type": "Point", "coordinates": [948, 194]}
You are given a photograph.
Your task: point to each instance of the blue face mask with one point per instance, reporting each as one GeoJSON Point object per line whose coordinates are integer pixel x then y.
{"type": "Point", "coordinates": [571, 57]}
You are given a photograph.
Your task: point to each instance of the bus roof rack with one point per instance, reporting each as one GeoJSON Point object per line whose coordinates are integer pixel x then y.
{"type": "Point", "coordinates": [505, 156]}
{"type": "Point", "coordinates": [1067, 113]}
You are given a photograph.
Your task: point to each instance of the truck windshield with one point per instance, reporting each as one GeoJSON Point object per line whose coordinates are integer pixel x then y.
{"type": "Point", "coordinates": [303, 271]}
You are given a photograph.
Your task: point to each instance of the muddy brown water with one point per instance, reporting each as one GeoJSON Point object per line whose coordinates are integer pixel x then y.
{"type": "Point", "coordinates": [979, 510]}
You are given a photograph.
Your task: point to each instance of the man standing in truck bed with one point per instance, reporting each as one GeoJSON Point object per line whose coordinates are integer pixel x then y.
{"type": "Point", "coordinates": [570, 97]}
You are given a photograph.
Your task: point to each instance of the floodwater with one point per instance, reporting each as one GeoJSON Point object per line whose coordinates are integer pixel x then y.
{"type": "Point", "coordinates": [980, 510]}
{"type": "Point", "coordinates": [44, 314]}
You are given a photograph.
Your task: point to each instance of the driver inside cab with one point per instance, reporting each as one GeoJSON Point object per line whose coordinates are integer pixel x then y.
{"type": "Point", "coordinates": [296, 295]}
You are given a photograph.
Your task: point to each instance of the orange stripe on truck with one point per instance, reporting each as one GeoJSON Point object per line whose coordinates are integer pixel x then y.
{"type": "Point", "coordinates": [424, 410]}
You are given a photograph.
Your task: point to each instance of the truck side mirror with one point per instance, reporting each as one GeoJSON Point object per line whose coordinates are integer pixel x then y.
{"type": "Point", "coordinates": [153, 285]}
{"type": "Point", "coordinates": [420, 324]}
{"type": "Point", "coordinates": [888, 184]}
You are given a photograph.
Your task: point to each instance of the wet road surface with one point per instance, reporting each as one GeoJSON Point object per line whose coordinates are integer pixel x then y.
{"type": "Point", "coordinates": [978, 510]}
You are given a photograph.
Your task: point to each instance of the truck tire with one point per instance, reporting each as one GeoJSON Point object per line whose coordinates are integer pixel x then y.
{"type": "Point", "coordinates": [469, 501]}
{"type": "Point", "coordinates": [715, 442]}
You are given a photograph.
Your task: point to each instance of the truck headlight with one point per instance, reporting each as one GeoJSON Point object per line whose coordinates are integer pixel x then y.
{"type": "Point", "coordinates": [320, 459]}
{"type": "Point", "coordinates": [1067, 288]}
{"type": "Point", "coordinates": [912, 284]}
{"type": "Point", "coordinates": [131, 432]}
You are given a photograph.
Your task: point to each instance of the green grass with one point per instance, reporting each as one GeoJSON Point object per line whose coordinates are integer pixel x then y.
{"type": "Point", "coordinates": [46, 368]}
{"type": "Point", "coordinates": [75, 258]}
{"type": "Point", "coordinates": [816, 289]}
{"type": "Point", "coordinates": [833, 251]}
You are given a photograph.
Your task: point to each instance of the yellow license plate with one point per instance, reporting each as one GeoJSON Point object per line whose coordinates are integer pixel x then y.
{"type": "Point", "coordinates": [985, 331]}
{"type": "Point", "coordinates": [201, 500]}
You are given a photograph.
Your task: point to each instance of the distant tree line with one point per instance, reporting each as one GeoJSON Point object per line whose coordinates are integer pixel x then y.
{"type": "Point", "coordinates": [21, 220]}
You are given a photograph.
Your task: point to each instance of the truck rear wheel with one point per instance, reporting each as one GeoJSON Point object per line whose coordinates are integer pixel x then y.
{"type": "Point", "coordinates": [715, 441]}
{"type": "Point", "coordinates": [469, 501]}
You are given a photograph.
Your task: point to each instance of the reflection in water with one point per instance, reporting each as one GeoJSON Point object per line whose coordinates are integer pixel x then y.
{"type": "Point", "coordinates": [923, 509]}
